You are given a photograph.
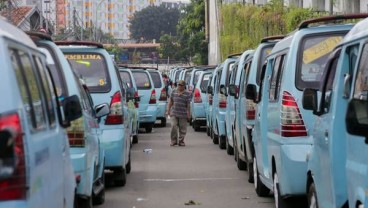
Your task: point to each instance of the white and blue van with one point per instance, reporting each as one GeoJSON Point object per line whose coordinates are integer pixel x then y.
{"type": "Point", "coordinates": [35, 165]}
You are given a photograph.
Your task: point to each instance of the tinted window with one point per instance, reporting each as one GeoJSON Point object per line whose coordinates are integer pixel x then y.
{"type": "Point", "coordinates": [142, 80]}
{"type": "Point", "coordinates": [205, 80]}
{"type": "Point", "coordinates": [92, 69]}
{"type": "Point", "coordinates": [314, 54]}
{"type": "Point", "coordinates": [361, 83]}
{"type": "Point", "coordinates": [276, 77]}
{"type": "Point", "coordinates": [265, 51]}
{"type": "Point", "coordinates": [125, 76]}
{"type": "Point", "coordinates": [30, 91]}
{"type": "Point", "coordinates": [156, 78]}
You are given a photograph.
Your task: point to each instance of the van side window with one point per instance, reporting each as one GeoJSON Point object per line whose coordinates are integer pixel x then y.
{"type": "Point", "coordinates": [46, 83]}
{"type": "Point", "coordinates": [275, 83]}
{"type": "Point", "coordinates": [245, 75]}
{"type": "Point", "coordinates": [361, 83]}
{"type": "Point", "coordinates": [30, 91]}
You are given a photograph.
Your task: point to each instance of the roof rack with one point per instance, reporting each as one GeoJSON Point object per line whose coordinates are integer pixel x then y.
{"type": "Point", "coordinates": [38, 35]}
{"type": "Point", "coordinates": [136, 67]}
{"type": "Point", "coordinates": [272, 38]}
{"type": "Point", "coordinates": [334, 18]}
{"type": "Point", "coordinates": [79, 43]}
{"type": "Point", "coordinates": [234, 55]}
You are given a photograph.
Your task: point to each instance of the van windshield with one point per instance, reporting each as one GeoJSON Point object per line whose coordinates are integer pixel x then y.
{"type": "Point", "coordinates": [92, 69]}
{"type": "Point", "coordinates": [314, 54]}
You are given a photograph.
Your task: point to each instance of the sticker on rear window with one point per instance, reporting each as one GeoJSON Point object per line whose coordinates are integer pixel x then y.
{"type": "Point", "coordinates": [146, 84]}
{"type": "Point", "coordinates": [317, 51]}
{"type": "Point", "coordinates": [102, 82]}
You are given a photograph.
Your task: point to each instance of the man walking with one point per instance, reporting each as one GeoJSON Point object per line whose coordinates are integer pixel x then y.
{"type": "Point", "coordinates": [180, 113]}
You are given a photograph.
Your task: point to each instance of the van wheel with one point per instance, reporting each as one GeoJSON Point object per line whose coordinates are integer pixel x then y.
{"type": "Point", "coordinates": [135, 139]}
{"type": "Point", "coordinates": [120, 177]}
{"type": "Point", "coordinates": [312, 196]}
{"type": "Point", "coordinates": [222, 142]}
{"type": "Point", "coordinates": [149, 128]}
{"type": "Point", "coordinates": [196, 126]}
{"type": "Point", "coordinates": [215, 138]}
{"type": "Point", "coordinates": [240, 163]}
{"type": "Point", "coordinates": [250, 172]}
{"type": "Point", "coordinates": [85, 202]}
{"type": "Point", "coordinates": [100, 197]}
{"type": "Point", "coordinates": [208, 131]}
{"type": "Point", "coordinates": [260, 188]}
{"type": "Point", "coordinates": [229, 149]}
{"type": "Point", "coordinates": [163, 122]}
{"type": "Point", "coordinates": [128, 166]}
{"type": "Point", "coordinates": [279, 201]}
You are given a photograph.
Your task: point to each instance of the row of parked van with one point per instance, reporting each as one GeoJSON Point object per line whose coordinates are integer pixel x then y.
{"type": "Point", "coordinates": [294, 112]}
{"type": "Point", "coordinates": [69, 113]}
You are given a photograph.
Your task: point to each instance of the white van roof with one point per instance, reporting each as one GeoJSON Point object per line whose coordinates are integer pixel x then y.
{"type": "Point", "coordinates": [10, 31]}
{"type": "Point", "coordinates": [359, 30]}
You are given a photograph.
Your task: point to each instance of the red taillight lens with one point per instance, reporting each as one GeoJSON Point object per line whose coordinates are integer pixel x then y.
{"type": "Point", "coordinates": [13, 187]}
{"type": "Point", "coordinates": [222, 101]}
{"type": "Point", "coordinates": [116, 111]}
{"type": "Point", "coordinates": [136, 97]}
{"type": "Point", "coordinates": [251, 110]}
{"type": "Point", "coordinates": [153, 97]}
{"type": "Point", "coordinates": [292, 124]}
{"type": "Point", "coordinates": [163, 96]}
{"type": "Point", "coordinates": [197, 96]}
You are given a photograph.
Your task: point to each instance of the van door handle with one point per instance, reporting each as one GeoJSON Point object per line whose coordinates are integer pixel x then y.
{"type": "Point", "coordinates": [326, 136]}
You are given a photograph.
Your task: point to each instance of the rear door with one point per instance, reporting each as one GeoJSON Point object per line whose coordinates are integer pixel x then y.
{"type": "Point", "coordinates": [145, 87]}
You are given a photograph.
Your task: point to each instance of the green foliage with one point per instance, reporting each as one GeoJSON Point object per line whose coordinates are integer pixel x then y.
{"type": "Point", "coordinates": [151, 22]}
{"type": "Point", "coordinates": [117, 51]}
{"type": "Point", "coordinates": [168, 47]}
{"type": "Point", "coordinates": [244, 26]}
{"type": "Point", "coordinates": [191, 33]}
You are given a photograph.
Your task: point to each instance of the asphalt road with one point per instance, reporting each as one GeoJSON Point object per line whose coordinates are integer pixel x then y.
{"type": "Point", "coordinates": [199, 174]}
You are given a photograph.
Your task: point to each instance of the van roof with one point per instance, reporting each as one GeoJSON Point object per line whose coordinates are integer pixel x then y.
{"type": "Point", "coordinates": [10, 31]}
{"type": "Point", "coordinates": [358, 31]}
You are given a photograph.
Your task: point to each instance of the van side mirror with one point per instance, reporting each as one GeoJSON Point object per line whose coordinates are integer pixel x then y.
{"type": "Point", "coordinates": [102, 110]}
{"type": "Point", "coordinates": [232, 90]}
{"type": "Point", "coordinates": [210, 90]}
{"type": "Point", "coordinates": [357, 118]}
{"type": "Point", "coordinates": [72, 109]}
{"type": "Point", "coordinates": [7, 153]}
{"type": "Point", "coordinates": [223, 90]}
{"type": "Point", "coordinates": [251, 92]}
{"type": "Point", "coordinates": [309, 100]}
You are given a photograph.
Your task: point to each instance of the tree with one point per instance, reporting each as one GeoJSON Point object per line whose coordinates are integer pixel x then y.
{"type": "Point", "coordinates": [191, 33]}
{"type": "Point", "coordinates": [151, 22]}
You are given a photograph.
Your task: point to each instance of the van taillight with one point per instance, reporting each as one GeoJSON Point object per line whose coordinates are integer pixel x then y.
{"type": "Point", "coordinates": [14, 186]}
{"type": "Point", "coordinates": [153, 97]}
{"type": "Point", "coordinates": [197, 96]}
{"type": "Point", "coordinates": [76, 138]}
{"type": "Point", "coordinates": [292, 124]}
{"type": "Point", "coordinates": [116, 111]}
{"type": "Point", "coordinates": [163, 96]}
{"type": "Point", "coordinates": [251, 110]}
{"type": "Point", "coordinates": [210, 99]}
{"type": "Point", "coordinates": [136, 97]}
{"type": "Point", "coordinates": [222, 101]}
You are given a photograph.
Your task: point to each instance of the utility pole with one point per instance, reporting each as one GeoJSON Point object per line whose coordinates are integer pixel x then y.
{"type": "Point", "coordinates": [10, 11]}
{"type": "Point", "coordinates": [74, 23]}
{"type": "Point", "coordinates": [331, 7]}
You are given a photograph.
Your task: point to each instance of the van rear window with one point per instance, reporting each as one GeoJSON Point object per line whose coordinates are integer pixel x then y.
{"type": "Point", "coordinates": [205, 79]}
{"type": "Point", "coordinates": [92, 69]}
{"type": "Point", "coordinates": [142, 80]}
{"type": "Point", "coordinates": [156, 79]}
{"type": "Point", "coordinates": [314, 54]}
{"type": "Point", "coordinates": [125, 76]}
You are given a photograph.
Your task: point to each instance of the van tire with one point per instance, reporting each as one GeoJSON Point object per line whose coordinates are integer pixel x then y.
{"type": "Point", "coordinates": [215, 138]}
{"type": "Point", "coordinates": [135, 139]}
{"type": "Point", "coordinates": [163, 122]}
{"type": "Point", "coordinates": [229, 149]}
{"type": "Point", "coordinates": [149, 128]}
{"type": "Point", "coordinates": [128, 166]}
{"type": "Point", "coordinates": [259, 187]}
{"type": "Point", "coordinates": [279, 201]}
{"type": "Point", "coordinates": [120, 177]}
{"type": "Point", "coordinates": [250, 172]}
{"type": "Point", "coordinates": [208, 131]}
{"type": "Point", "coordinates": [222, 142]}
{"type": "Point", "coordinates": [100, 197]}
{"type": "Point", "coordinates": [85, 202]}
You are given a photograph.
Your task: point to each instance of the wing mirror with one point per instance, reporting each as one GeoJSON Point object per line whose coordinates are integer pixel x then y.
{"type": "Point", "coordinates": [357, 118]}
{"type": "Point", "coordinates": [72, 109]}
{"type": "Point", "coordinates": [102, 110]}
{"type": "Point", "coordinates": [251, 92]}
{"type": "Point", "coordinates": [210, 90]}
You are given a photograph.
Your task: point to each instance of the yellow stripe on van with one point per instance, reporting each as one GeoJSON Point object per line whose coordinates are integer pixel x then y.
{"type": "Point", "coordinates": [317, 51]}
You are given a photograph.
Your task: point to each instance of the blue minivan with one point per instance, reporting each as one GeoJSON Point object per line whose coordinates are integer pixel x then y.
{"type": "Point", "coordinates": [161, 94]}
{"type": "Point", "coordinates": [233, 106]}
{"type": "Point", "coordinates": [92, 64]}
{"type": "Point", "coordinates": [284, 126]}
{"type": "Point", "coordinates": [220, 99]}
{"type": "Point", "coordinates": [87, 155]}
{"type": "Point", "coordinates": [35, 164]}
